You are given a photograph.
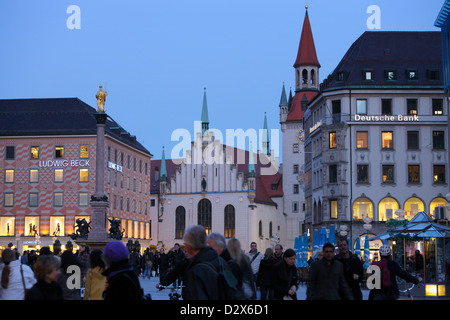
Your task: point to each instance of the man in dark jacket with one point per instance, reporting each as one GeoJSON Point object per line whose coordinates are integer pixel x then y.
{"type": "Point", "coordinates": [176, 257]}
{"type": "Point", "coordinates": [201, 277]}
{"type": "Point", "coordinates": [353, 268]}
{"type": "Point", "coordinates": [389, 287]}
{"type": "Point", "coordinates": [123, 283]}
{"type": "Point", "coordinates": [326, 278]}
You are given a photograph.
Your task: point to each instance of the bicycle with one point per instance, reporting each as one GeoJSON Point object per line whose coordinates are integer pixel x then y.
{"type": "Point", "coordinates": [408, 287]}
{"type": "Point", "coordinates": [174, 291]}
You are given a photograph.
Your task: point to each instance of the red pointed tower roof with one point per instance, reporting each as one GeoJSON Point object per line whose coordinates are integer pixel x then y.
{"type": "Point", "coordinates": [306, 50]}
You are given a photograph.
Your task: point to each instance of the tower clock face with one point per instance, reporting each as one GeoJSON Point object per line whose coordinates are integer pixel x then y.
{"type": "Point", "coordinates": [300, 135]}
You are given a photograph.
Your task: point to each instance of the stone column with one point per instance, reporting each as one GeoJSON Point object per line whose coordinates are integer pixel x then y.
{"type": "Point", "coordinates": [98, 236]}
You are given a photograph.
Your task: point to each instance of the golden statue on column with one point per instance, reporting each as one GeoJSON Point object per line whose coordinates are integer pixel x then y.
{"type": "Point", "coordinates": [101, 98]}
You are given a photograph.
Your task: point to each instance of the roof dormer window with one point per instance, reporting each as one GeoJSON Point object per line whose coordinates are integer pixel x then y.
{"type": "Point", "coordinates": [368, 75]}
{"type": "Point", "coordinates": [411, 74]}
{"type": "Point", "coordinates": [391, 75]}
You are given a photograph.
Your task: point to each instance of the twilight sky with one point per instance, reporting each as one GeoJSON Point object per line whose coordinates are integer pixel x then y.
{"type": "Point", "coordinates": [154, 58]}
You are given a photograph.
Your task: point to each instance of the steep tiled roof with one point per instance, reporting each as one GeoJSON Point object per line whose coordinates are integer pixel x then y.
{"type": "Point", "coordinates": [296, 112]}
{"type": "Point", "coordinates": [56, 116]}
{"type": "Point", "coordinates": [306, 54]}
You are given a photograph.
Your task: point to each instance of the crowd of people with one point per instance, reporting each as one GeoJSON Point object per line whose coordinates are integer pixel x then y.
{"type": "Point", "coordinates": [208, 268]}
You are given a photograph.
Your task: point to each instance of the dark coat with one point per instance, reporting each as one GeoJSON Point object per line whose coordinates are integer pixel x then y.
{"type": "Point", "coordinates": [265, 273]}
{"type": "Point", "coordinates": [200, 279]}
{"type": "Point", "coordinates": [176, 257]}
{"type": "Point", "coordinates": [283, 278]}
{"type": "Point", "coordinates": [327, 282]}
{"type": "Point", "coordinates": [44, 291]}
{"type": "Point", "coordinates": [123, 283]}
{"type": "Point", "coordinates": [352, 265]}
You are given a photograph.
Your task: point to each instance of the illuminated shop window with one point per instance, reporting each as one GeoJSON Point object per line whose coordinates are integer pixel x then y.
{"type": "Point", "coordinates": [136, 229]}
{"type": "Point", "coordinates": [31, 226]}
{"type": "Point", "coordinates": [386, 209]}
{"type": "Point", "coordinates": [84, 175]}
{"type": "Point", "coordinates": [439, 202]}
{"type": "Point", "coordinates": [412, 206]}
{"type": "Point", "coordinates": [362, 207]}
{"type": "Point", "coordinates": [130, 229]}
{"type": "Point", "coordinates": [34, 152]}
{"type": "Point", "coordinates": [7, 226]}
{"type": "Point", "coordinates": [59, 152]}
{"type": "Point", "coordinates": [84, 151]}
{"type": "Point", "coordinates": [57, 226]}
{"type": "Point", "coordinates": [9, 176]}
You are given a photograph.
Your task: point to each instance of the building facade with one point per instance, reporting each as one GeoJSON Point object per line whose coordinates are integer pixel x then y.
{"type": "Point", "coordinates": [378, 135]}
{"type": "Point", "coordinates": [48, 169]}
{"type": "Point", "coordinates": [224, 189]}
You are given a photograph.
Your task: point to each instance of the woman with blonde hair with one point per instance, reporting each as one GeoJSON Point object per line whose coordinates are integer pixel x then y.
{"type": "Point", "coordinates": [248, 283]}
{"type": "Point", "coordinates": [16, 278]}
{"type": "Point", "coordinates": [46, 271]}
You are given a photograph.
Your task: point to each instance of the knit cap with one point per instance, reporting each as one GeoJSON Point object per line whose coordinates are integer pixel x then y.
{"type": "Point", "coordinates": [116, 251]}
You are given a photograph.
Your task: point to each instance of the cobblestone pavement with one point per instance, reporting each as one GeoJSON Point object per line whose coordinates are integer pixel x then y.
{"type": "Point", "coordinates": [149, 286]}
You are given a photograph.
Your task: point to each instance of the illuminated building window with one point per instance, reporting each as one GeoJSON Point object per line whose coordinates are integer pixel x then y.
{"type": "Point", "coordinates": [332, 138]}
{"type": "Point", "coordinates": [439, 173]}
{"type": "Point", "coordinates": [59, 152]}
{"type": "Point", "coordinates": [229, 223]}
{"type": "Point", "coordinates": [84, 151]}
{"type": "Point", "coordinates": [333, 209]}
{"type": "Point", "coordinates": [59, 175]}
{"type": "Point", "coordinates": [387, 141]}
{"type": "Point", "coordinates": [84, 175]}
{"type": "Point", "coordinates": [34, 175]}
{"type": "Point", "coordinates": [386, 209]}
{"type": "Point", "coordinates": [9, 176]}
{"type": "Point", "coordinates": [362, 207]}
{"type": "Point", "coordinates": [34, 152]}
{"type": "Point", "coordinates": [362, 140]}
{"type": "Point", "coordinates": [9, 199]}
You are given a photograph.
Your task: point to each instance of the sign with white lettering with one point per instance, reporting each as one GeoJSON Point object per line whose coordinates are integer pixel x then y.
{"type": "Point", "coordinates": [63, 163]}
{"type": "Point", "coordinates": [403, 118]}
{"type": "Point", "coordinates": [114, 166]}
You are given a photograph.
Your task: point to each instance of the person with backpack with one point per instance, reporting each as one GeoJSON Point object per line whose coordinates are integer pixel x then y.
{"type": "Point", "coordinates": [389, 269]}
{"type": "Point", "coordinates": [202, 276]}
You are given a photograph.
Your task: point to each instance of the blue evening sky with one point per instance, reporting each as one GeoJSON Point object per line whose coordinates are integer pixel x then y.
{"type": "Point", "coordinates": [155, 57]}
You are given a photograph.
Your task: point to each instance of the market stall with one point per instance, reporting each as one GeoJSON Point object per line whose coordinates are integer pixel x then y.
{"type": "Point", "coordinates": [421, 246]}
